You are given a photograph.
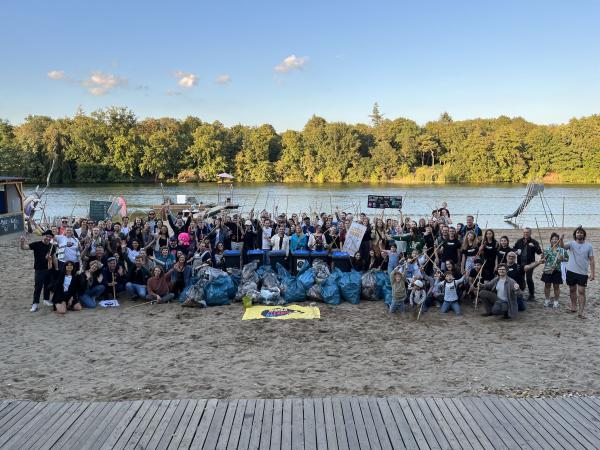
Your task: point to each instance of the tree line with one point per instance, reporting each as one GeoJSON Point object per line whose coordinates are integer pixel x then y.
{"type": "Point", "coordinates": [113, 145]}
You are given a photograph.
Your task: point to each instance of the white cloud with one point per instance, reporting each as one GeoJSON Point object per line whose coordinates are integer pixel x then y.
{"type": "Point", "coordinates": [292, 62]}
{"type": "Point", "coordinates": [100, 83]}
{"type": "Point", "coordinates": [223, 79]}
{"type": "Point", "coordinates": [186, 79]}
{"type": "Point", "coordinates": [56, 74]}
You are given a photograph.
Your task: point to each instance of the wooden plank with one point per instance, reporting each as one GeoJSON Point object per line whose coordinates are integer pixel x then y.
{"type": "Point", "coordinates": [380, 429]}
{"type": "Point", "coordinates": [310, 432]}
{"type": "Point", "coordinates": [495, 433]}
{"type": "Point", "coordinates": [200, 432]}
{"type": "Point", "coordinates": [571, 424]}
{"type": "Point", "coordinates": [15, 415]}
{"type": "Point", "coordinates": [584, 409]}
{"type": "Point", "coordinates": [507, 423]}
{"type": "Point", "coordinates": [533, 416]}
{"type": "Point", "coordinates": [145, 428]}
{"type": "Point", "coordinates": [340, 424]}
{"type": "Point", "coordinates": [592, 402]}
{"type": "Point", "coordinates": [8, 408]}
{"type": "Point", "coordinates": [469, 424]}
{"type": "Point", "coordinates": [330, 431]}
{"type": "Point", "coordinates": [119, 427]}
{"type": "Point", "coordinates": [22, 427]}
{"type": "Point", "coordinates": [320, 429]}
{"type": "Point", "coordinates": [443, 434]}
{"type": "Point", "coordinates": [267, 425]}
{"type": "Point", "coordinates": [589, 419]}
{"type": "Point", "coordinates": [421, 422]}
{"type": "Point", "coordinates": [558, 423]}
{"type": "Point", "coordinates": [41, 433]}
{"type": "Point", "coordinates": [227, 423]}
{"type": "Point", "coordinates": [79, 427]}
{"type": "Point", "coordinates": [411, 433]}
{"type": "Point", "coordinates": [244, 440]}
{"type": "Point", "coordinates": [153, 425]}
{"type": "Point", "coordinates": [276, 424]}
{"type": "Point", "coordinates": [448, 425]}
{"type": "Point", "coordinates": [297, 424]}
{"type": "Point", "coordinates": [349, 423]}
{"type": "Point", "coordinates": [286, 425]}
{"type": "Point", "coordinates": [528, 431]}
{"type": "Point", "coordinates": [103, 426]}
{"type": "Point", "coordinates": [362, 403]}
{"type": "Point", "coordinates": [176, 419]}
{"type": "Point", "coordinates": [132, 425]}
{"type": "Point", "coordinates": [359, 423]}
{"type": "Point", "coordinates": [160, 432]}
{"type": "Point", "coordinates": [214, 429]}
{"type": "Point", "coordinates": [26, 437]}
{"type": "Point", "coordinates": [61, 428]}
{"type": "Point", "coordinates": [186, 435]}
{"type": "Point", "coordinates": [236, 427]}
{"type": "Point", "coordinates": [391, 426]}
{"type": "Point", "coordinates": [259, 409]}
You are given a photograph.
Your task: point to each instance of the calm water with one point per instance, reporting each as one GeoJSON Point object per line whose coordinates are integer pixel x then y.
{"type": "Point", "coordinates": [490, 202]}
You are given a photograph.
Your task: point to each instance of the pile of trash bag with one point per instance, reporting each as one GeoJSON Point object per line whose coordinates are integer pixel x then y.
{"type": "Point", "coordinates": [350, 286]}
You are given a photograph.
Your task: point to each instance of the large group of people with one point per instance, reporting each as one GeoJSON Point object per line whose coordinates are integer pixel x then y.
{"type": "Point", "coordinates": [430, 261]}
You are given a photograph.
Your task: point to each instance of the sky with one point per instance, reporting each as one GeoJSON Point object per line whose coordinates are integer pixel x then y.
{"type": "Point", "coordinates": [280, 62]}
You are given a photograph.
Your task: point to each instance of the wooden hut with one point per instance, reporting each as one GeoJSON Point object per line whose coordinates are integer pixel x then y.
{"type": "Point", "coordinates": [11, 205]}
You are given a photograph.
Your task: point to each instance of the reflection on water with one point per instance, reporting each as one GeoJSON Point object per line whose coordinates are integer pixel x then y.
{"type": "Point", "coordinates": [489, 202]}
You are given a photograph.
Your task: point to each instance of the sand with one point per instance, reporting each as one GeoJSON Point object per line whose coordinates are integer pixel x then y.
{"type": "Point", "coordinates": [165, 351]}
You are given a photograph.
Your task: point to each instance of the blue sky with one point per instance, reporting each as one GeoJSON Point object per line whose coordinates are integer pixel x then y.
{"type": "Point", "coordinates": [279, 62]}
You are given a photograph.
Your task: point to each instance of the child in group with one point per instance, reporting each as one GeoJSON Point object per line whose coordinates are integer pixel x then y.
{"type": "Point", "coordinates": [398, 281]}
{"type": "Point", "coordinates": [393, 257]}
{"type": "Point", "coordinates": [450, 288]}
{"type": "Point", "coordinates": [418, 294]}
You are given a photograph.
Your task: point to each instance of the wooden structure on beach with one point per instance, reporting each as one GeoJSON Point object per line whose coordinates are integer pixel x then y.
{"type": "Point", "coordinates": [11, 205]}
{"type": "Point", "coordinates": [341, 423]}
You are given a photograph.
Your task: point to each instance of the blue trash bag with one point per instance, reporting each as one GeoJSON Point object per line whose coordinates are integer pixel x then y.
{"type": "Point", "coordinates": [382, 279]}
{"type": "Point", "coordinates": [183, 294]}
{"type": "Point", "coordinates": [350, 285]}
{"type": "Point", "coordinates": [293, 289]}
{"type": "Point", "coordinates": [387, 292]}
{"type": "Point", "coordinates": [307, 277]}
{"type": "Point", "coordinates": [217, 291]}
{"type": "Point", "coordinates": [330, 290]}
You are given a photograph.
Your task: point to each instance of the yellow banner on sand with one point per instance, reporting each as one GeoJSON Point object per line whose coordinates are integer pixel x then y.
{"type": "Point", "coordinates": [285, 312]}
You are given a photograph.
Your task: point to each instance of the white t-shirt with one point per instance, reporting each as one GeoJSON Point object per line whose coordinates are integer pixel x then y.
{"type": "Point", "coordinates": [266, 238]}
{"type": "Point", "coordinates": [579, 257]}
{"type": "Point", "coordinates": [501, 290]}
{"type": "Point", "coordinates": [67, 282]}
{"type": "Point", "coordinates": [70, 253]}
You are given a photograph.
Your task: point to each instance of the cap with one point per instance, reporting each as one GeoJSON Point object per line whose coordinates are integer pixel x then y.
{"type": "Point", "coordinates": [48, 233]}
{"type": "Point", "coordinates": [112, 258]}
{"type": "Point", "coordinates": [419, 283]}
{"type": "Point", "coordinates": [248, 223]}
{"type": "Point", "coordinates": [186, 211]}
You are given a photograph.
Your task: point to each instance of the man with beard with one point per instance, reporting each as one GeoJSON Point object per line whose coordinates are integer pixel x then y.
{"type": "Point", "coordinates": [581, 255]}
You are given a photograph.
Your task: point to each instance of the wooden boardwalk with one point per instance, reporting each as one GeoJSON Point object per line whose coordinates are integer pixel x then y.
{"type": "Point", "coordinates": [315, 423]}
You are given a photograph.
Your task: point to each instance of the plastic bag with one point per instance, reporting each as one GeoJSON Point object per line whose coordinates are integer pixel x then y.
{"type": "Point", "coordinates": [350, 286]}
{"type": "Point", "coordinates": [269, 280]}
{"type": "Point", "coordinates": [195, 292]}
{"type": "Point", "coordinates": [307, 278]}
{"type": "Point", "coordinates": [249, 272]}
{"type": "Point", "coordinates": [217, 291]}
{"type": "Point", "coordinates": [383, 280]}
{"type": "Point", "coordinates": [321, 270]}
{"type": "Point", "coordinates": [314, 293]}
{"type": "Point", "coordinates": [245, 288]}
{"type": "Point", "coordinates": [369, 285]}
{"type": "Point", "coordinates": [331, 291]}
{"type": "Point", "coordinates": [270, 296]}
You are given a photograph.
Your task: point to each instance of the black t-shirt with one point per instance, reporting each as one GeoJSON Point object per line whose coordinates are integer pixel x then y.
{"type": "Point", "coordinates": [517, 273]}
{"type": "Point", "coordinates": [473, 274]}
{"type": "Point", "coordinates": [502, 252]}
{"type": "Point", "coordinates": [449, 250]}
{"type": "Point", "coordinates": [40, 251]}
{"type": "Point", "coordinates": [470, 252]}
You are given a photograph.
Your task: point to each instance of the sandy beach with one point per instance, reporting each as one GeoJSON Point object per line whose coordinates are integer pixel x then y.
{"type": "Point", "coordinates": [165, 351]}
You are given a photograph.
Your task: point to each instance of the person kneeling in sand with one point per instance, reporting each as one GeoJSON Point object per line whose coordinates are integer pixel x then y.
{"type": "Point", "coordinates": [450, 289]}
{"type": "Point", "coordinates": [159, 286]}
{"type": "Point", "coordinates": [65, 291]}
{"type": "Point", "coordinates": [499, 296]}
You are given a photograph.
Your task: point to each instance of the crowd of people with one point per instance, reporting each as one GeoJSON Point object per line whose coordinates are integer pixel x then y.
{"type": "Point", "coordinates": [430, 261]}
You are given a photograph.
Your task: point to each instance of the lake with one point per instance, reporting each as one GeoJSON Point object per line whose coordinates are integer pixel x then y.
{"type": "Point", "coordinates": [489, 202]}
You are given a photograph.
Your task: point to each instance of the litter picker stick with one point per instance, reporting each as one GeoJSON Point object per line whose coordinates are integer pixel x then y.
{"type": "Point", "coordinates": [539, 233]}
{"type": "Point", "coordinates": [477, 279]}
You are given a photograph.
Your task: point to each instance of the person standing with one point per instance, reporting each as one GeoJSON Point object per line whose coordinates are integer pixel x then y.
{"type": "Point", "coordinates": [526, 249]}
{"type": "Point", "coordinates": [43, 253]}
{"type": "Point", "coordinates": [581, 255]}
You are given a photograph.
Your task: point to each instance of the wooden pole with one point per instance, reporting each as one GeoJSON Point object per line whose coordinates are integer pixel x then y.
{"type": "Point", "coordinates": [477, 279]}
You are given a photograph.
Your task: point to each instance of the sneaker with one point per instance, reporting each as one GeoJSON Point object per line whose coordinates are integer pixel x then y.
{"type": "Point", "coordinates": [34, 307]}
{"type": "Point", "coordinates": [556, 304]}
{"type": "Point", "coordinates": [48, 303]}
{"type": "Point", "coordinates": [547, 302]}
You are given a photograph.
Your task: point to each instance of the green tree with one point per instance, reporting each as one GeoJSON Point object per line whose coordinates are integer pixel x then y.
{"type": "Point", "coordinates": [208, 153]}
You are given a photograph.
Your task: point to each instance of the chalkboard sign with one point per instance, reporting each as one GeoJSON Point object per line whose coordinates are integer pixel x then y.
{"type": "Point", "coordinates": [384, 201]}
{"type": "Point", "coordinates": [11, 224]}
{"type": "Point", "coordinates": [99, 210]}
